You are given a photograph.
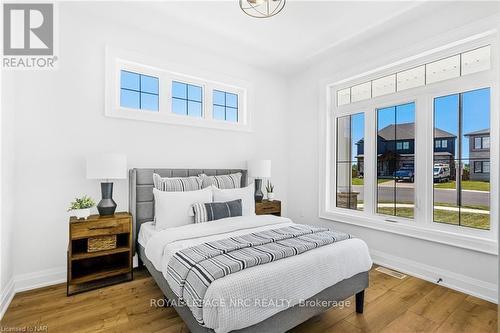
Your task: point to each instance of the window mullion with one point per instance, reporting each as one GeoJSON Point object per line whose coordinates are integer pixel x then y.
{"type": "Point", "coordinates": [370, 161]}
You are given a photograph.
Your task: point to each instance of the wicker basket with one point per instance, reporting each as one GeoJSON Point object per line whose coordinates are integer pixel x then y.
{"type": "Point", "coordinates": [101, 243]}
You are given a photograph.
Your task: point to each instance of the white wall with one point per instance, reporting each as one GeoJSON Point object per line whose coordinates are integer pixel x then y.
{"type": "Point", "coordinates": [60, 119]}
{"type": "Point", "coordinates": [7, 186]}
{"type": "Point", "coordinates": [462, 269]}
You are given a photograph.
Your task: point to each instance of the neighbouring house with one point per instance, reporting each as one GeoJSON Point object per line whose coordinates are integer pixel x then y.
{"type": "Point", "coordinates": [396, 149]}
{"type": "Point", "coordinates": [479, 154]}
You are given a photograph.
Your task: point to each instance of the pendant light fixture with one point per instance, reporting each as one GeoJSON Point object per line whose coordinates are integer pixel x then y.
{"type": "Point", "coordinates": [262, 8]}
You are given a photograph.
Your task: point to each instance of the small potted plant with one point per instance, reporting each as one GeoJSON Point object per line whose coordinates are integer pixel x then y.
{"type": "Point", "coordinates": [270, 191]}
{"type": "Point", "coordinates": [80, 207]}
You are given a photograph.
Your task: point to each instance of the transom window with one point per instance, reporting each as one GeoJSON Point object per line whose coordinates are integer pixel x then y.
{"type": "Point", "coordinates": [225, 106]}
{"type": "Point", "coordinates": [174, 96]}
{"type": "Point", "coordinates": [138, 91]}
{"type": "Point", "coordinates": [187, 99]}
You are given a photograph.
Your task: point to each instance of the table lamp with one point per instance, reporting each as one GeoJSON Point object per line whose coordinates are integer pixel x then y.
{"type": "Point", "coordinates": [259, 169]}
{"type": "Point", "coordinates": [107, 167]}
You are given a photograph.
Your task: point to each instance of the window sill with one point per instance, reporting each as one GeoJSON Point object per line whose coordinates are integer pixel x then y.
{"type": "Point", "coordinates": [475, 243]}
{"type": "Point", "coordinates": [173, 119]}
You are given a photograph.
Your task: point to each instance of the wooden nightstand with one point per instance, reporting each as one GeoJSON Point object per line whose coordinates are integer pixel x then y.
{"type": "Point", "coordinates": [268, 207]}
{"type": "Point", "coordinates": [90, 270]}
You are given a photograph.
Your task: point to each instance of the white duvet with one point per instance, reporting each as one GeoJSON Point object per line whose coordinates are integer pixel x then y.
{"type": "Point", "coordinates": [252, 295]}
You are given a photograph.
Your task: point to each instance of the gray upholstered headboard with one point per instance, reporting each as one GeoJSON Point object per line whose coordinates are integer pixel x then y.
{"type": "Point", "coordinates": [141, 203]}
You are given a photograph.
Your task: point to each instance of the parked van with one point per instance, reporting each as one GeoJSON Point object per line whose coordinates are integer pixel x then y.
{"type": "Point", "coordinates": [441, 172]}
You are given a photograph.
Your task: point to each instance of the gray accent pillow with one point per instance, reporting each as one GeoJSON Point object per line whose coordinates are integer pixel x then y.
{"type": "Point", "coordinates": [223, 181]}
{"type": "Point", "coordinates": [176, 184]}
{"type": "Point", "coordinates": [204, 212]}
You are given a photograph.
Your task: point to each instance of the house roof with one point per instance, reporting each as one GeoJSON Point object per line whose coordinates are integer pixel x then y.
{"type": "Point", "coordinates": [406, 131]}
{"type": "Point", "coordinates": [483, 131]}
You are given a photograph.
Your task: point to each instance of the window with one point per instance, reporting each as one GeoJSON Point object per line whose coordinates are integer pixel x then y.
{"type": "Point", "coordinates": [350, 161]}
{"type": "Point", "coordinates": [481, 167]}
{"type": "Point", "coordinates": [482, 142]}
{"type": "Point", "coordinates": [421, 169]}
{"type": "Point", "coordinates": [225, 106]}
{"type": "Point", "coordinates": [187, 99]}
{"type": "Point", "coordinates": [150, 92]}
{"type": "Point", "coordinates": [138, 91]}
{"type": "Point", "coordinates": [461, 184]}
{"type": "Point", "coordinates": [457, 65]}
{"type": "Point", "coordinates": [395, 171]}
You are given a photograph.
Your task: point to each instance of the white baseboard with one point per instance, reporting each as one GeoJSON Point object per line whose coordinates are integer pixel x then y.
{"type": "Point", "coordinates": [35, 280]}
{"type": "Point", "coordinates": [40, 279]}
{"type": "Point", "coordinates": [24, 282]}
{"type": "Point", "coordinates": [6, 297]}
{"type": "Point", "coordinates": [478, 288]}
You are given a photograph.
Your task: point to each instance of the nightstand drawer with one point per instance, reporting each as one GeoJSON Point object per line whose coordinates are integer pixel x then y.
{"type": "Point", "coordinates": [99, 228]}
{"type": "Point", "coordinates": [268, 207]}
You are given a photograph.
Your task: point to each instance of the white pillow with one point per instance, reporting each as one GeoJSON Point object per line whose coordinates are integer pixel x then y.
{"type": "Point", "coordinates": [172, 209]}
{"type": "Point", "coordinates": [246, 194]}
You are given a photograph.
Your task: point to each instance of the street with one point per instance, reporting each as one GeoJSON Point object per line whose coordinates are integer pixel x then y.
{"type": "Point", "coordinates": [405, 193]}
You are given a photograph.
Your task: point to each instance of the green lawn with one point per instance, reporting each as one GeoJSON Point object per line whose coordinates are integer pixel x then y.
{"type": "Point", "coordinates": [466, 185]}
{"type": "Point", "coordinates": [359, 181]}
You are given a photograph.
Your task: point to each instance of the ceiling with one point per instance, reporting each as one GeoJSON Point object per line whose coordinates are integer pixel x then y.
{"type": "Point", "coordinates": [302, 32]}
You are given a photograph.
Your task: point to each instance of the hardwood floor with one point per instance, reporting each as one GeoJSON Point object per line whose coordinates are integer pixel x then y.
{"type": "Point", "coordinates": [391, 305]}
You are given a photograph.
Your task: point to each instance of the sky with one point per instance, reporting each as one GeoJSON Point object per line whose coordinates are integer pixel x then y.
{"type": "Point", "coordinates": [475, 116]}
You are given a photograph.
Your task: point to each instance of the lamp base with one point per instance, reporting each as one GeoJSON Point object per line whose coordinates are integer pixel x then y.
{"type": "Point", "coordinates": [258, 192]}
{"type": "Point", "coordinates": [107, 205]}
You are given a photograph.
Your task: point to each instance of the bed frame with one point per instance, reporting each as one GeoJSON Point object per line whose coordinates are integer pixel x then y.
{"type": "Point", "coordinates": [142, 209]}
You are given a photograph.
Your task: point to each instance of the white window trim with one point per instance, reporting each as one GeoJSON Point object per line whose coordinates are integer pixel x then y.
{"type": "Point", "coordinates": [421, 226]}
{"type": "Point", "coordinates": [117, 60]}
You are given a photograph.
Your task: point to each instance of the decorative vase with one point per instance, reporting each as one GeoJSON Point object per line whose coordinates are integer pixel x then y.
{"type": "Point", "coordinates": [81, 213]}
{"type": "Point", "coordinates": [270, 196]}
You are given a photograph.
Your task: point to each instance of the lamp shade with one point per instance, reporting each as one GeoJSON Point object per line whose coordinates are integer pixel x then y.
{"type": "Point", "coordinates": [107, 166]}
{"type": "Point", "coordinates": [259, 168]}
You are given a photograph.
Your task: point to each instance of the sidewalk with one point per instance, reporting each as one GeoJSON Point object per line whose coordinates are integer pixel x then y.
{"type": "Point", "coordinates": [451, 209]}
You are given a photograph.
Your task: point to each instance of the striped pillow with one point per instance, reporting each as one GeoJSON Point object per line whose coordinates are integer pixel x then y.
{"type": "Point", "coordinates": [176, 184]}
{"type": "Point", "coordinates": [204, 212]}
{"type": "Point", "coordinates": [223, 181]}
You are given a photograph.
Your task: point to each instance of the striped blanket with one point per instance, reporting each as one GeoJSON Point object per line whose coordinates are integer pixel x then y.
{"type": "Point", "coordinates": [191, 271]}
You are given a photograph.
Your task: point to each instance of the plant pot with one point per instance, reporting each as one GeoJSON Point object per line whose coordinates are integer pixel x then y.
{"type": "Point", "coordinates": [81, 213]}
{"type": "Point", "coordinates": [270, 196]}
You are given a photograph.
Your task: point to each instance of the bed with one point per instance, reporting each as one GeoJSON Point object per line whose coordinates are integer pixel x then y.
{"type": "Point", "coordinates": [306, 284]}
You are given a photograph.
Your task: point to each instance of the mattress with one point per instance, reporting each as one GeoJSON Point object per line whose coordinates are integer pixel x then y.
{"type": "Point", "coordinates": [250, 296]}
{"type": "Point", "coordinates": [146, 231]}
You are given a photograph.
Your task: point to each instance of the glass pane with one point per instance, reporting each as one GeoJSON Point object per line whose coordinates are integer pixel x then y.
{"type": "Point", "coordinates": [219, 97]}
{"type": "Point", "coordinates": [361, 92]}
{"type": "Point", "coordinates": [396, 160]}
{"type": "Point", "coordinates": [446, 127]}
{"type": "Point", "coordinates": [179, 106]}
{"type": "Point", "coordinates": [232, 115]}
{"type": "Point", "coordinates": [219, 113]}
{"type": "Point", "coordinates": [461, 170]}
{"type": "Point", "coordinates": [350, 132]}
{"type": "Point", "coordinates": [194, 93]}
{"type": "Point", "coordinates": [149, 102]}
{"type": "Point", "coordinates": [344, 96]}
{"type": "Point", "coordinates": [384, 86]}
{"type": "Point", "coordinates": [129, 80]}
{"type": "Point", "coordinates": [443, 69]}
{"type": "Point", "coordinates": [232, 100]}
{"type": "Point", "coordinates": [129, 99]}
{"type": "Point", "coordinates": [194, 109]}
{"type": "Point", "coordinates": [149, 84]}
{"type": "Point", "coordinates": [179, 90]}
{"type": "Point", "coordinates": [476, 60]}
{"type": "Point", "coordinates": [411, 78]}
